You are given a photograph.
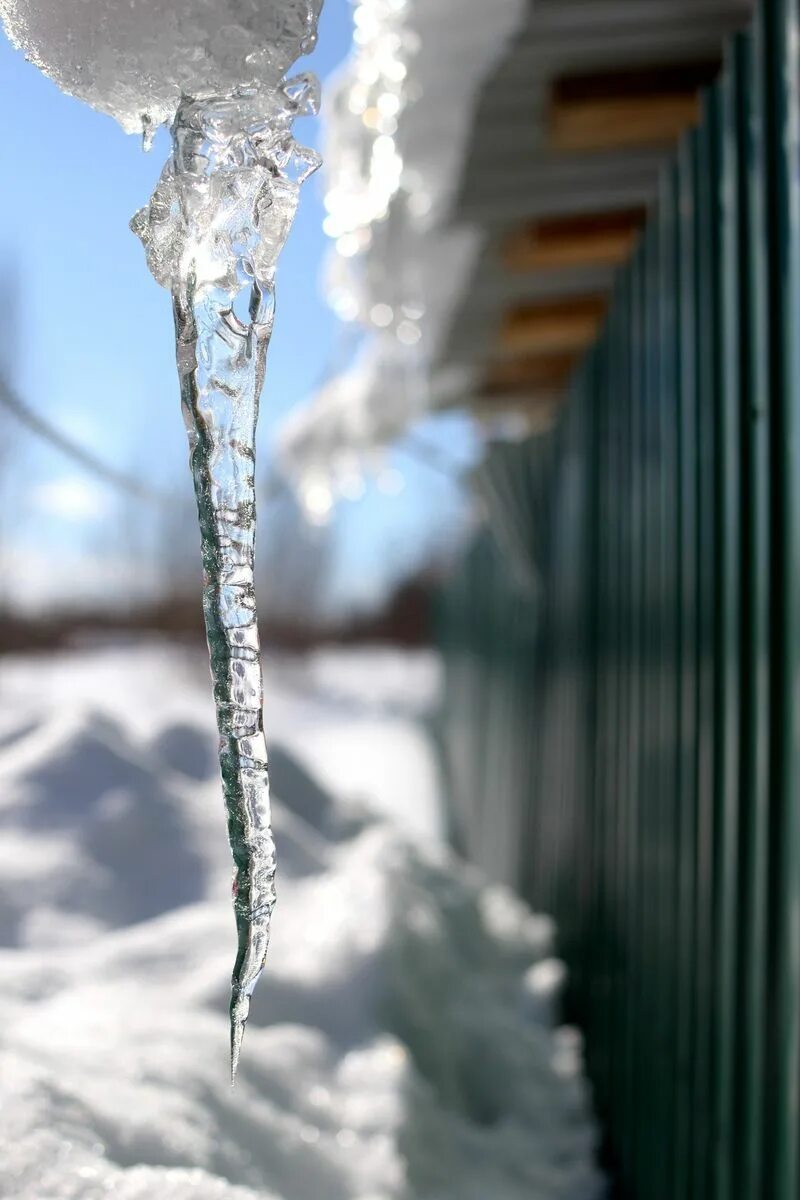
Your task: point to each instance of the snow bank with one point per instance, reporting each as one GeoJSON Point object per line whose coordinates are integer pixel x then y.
{"type": "Point", "coordinates": [134, 58]}
{"type": "Point", "coordinates": [403, 1046]}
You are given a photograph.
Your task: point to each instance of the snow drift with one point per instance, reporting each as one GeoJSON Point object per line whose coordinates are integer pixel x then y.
{"type": "Point", "coordinates": [403, 1045]}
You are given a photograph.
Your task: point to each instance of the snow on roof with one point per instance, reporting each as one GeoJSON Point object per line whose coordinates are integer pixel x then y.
{"type": "Point", "coordinates": [398, 119]}
{"type": "Point", "coordinates": [132, 59]}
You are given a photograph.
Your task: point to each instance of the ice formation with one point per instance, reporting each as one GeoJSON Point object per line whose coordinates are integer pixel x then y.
{"type": "Point", "coordinates": [212, 233]}
{"type": "Point", "coordinates": [135, 59]}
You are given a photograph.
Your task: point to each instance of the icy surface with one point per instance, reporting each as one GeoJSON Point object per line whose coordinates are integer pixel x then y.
{"type": "Point", "coordinates": [406, 1047]}
{"type": "Point", "coordinates": [133, 59]}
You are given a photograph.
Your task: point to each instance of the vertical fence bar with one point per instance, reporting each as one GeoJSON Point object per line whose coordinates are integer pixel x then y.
{"type": "Point", "coordinates": [779, 40]}
{"type": "Point", "coordinates": [651, 1146]}
{"type": "Point", "coordinates": [688, 474]}
{"type": "Point", "coordinates": [630, 918]}
{"type": "Point", "coordinates": [755, 695]}
{"type": "Point", "coordinates": [618, 331]}
{"type": "Point", "coordinates": [727, 627]}
{"type": "Point", "coordinates": [602, 924]}
{"type": "Point", "coordinates": [610, 701]}
{"type": "Point", "coordinates": [667, 607]}
{"type": "Point", "coordinates": [705, 323]}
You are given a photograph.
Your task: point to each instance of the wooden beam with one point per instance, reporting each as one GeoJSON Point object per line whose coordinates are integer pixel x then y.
{"type": "Point", "coordinates": [592, 239]}
{"type": "Point", "coordinates": [529, 373]}
{"type": "Point", "coordinates": [614, 110]}
{"type": "Point", "coordinates": [552, 326]}
{"type": "Point", "coordinates": [616, 124]}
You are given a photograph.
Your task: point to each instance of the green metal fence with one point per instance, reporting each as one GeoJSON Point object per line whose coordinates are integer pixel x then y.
{"type": "Point", "coordinates": [624, 734]}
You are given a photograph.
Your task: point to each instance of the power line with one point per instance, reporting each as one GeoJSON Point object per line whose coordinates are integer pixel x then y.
{"type": "Point", "coordinates": [74, 450]}
{"type": "Point", "coordinates": [273, 489]}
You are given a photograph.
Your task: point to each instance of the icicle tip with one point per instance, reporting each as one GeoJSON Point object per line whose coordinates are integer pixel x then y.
{"type": "Point", "coordinates": [240, 1006]}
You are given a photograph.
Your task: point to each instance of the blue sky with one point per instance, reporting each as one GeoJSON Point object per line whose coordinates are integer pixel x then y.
{"type": "Point", "coordinates": [92, 333]}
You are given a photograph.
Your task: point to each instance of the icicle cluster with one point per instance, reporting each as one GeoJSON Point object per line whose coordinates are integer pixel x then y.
{"type": "Point", "coordinates": [212, 233]}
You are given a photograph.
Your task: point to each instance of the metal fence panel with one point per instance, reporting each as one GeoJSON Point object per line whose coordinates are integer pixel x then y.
{"type": "Point", "coordinates": [622, 716]}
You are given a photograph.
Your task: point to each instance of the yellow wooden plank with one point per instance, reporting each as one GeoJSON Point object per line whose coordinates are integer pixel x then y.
{"type": "Point", "coordinates": [552, 326]}
{"type": "Point", "coordinates": [622, 123]}
{"type": "Point", "coordinates": [594, 239]}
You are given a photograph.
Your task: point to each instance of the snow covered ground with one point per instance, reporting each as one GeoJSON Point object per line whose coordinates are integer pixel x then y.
{"type": "Point", "coordinates": [402, 1043]}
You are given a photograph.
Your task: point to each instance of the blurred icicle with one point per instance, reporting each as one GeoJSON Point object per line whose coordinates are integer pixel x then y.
{"type": "Point", "coordinates": [397, 126]}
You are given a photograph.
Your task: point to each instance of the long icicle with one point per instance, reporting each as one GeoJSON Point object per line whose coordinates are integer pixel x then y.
{"type": "Point", "coordinates": [212, 233]}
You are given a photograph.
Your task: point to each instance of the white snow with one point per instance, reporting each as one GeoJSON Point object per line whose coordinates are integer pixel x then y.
{"type": "Point", "coordinates": [403, 1043]}
{"type": "Point", "coordinates": [134, 58]}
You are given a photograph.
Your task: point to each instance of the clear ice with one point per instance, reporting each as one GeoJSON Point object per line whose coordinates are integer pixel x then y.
{"type": "Point", "coordinates": [212, 233]}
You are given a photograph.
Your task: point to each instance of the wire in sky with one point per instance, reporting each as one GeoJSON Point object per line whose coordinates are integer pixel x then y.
{"type": "Point", "coordinates": [90, 462]}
